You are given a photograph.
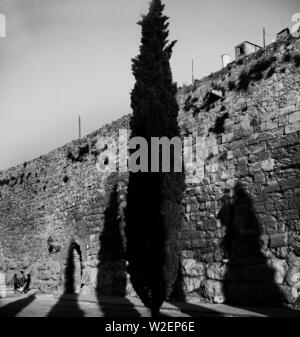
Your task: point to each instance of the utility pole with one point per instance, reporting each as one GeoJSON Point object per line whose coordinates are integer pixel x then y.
{"type": "Point", "coordinates": [192, 71]}
{"type": "Point", "coordinates": [264, 37]}
{"type": "Point", "coordinates": [79, 126]}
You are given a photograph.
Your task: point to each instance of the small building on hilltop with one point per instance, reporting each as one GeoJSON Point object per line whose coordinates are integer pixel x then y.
{"type": "Point", "coordinates": [245, 48]}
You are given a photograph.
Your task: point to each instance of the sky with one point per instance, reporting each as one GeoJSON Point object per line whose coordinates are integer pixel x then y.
{"type": "Point", "coordinates": [64, 58]}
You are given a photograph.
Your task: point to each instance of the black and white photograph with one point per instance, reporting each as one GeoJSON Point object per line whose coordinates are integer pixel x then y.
{"type": "Point", "coordinates": [149, 161]}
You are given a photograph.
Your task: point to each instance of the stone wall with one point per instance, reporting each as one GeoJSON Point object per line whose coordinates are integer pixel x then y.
{"type": "Point", "coordinates": [240, 236]}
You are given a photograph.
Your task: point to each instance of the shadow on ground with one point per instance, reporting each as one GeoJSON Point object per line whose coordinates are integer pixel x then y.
{"type": "Point", "coordinates": [12, 309]}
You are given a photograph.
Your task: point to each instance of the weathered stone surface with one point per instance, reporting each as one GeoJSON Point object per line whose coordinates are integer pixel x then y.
{"type": "Point", "coordinates": [280, 268]}
{"type": "Point", "coordinates": [293, 276]}
{"type": "Point", "coordinates": [278, 240]}
{"type": "Point", "coordinates": [193, 268]}
{"type": "Point", "coordinates": [217, 271]}
{"type": "Point", "coordinates": [290, 294]}
{"type": "Point", "coordinates": [214, 290]}
{"type": "Point", "coordinates": [192, 283]}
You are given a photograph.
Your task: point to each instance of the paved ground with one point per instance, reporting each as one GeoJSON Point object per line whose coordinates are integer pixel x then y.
{"type": "Point", "coordinates": [41, 305]}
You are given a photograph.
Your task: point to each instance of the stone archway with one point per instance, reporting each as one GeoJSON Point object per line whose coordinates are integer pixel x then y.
{"type": "Point", "coordinates": [73, 270]}
{"type": "Point", "coordinates": [77, 260]}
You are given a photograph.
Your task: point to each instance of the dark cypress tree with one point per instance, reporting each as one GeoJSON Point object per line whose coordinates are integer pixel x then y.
{"type": "Point", "coordinates": [153, 213]}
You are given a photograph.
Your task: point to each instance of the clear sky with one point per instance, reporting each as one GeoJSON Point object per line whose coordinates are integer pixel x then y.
{"type": "Point", "coordinates": [62, 58]}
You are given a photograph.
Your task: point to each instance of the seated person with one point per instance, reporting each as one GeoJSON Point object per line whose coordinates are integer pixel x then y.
{"type": "Point", "coordinates": [27, 284]}
{"type": "Point", "coordinates": [22, 281]}
{"type": "Point", "coordinates": [16, 283]}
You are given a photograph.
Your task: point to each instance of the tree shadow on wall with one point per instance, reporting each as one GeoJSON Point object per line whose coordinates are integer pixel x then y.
{"type": "Point", "coordinates": [112, 276]}
{"type": "Point", "coordinates": [67, 305]}
{"type": "Point", "coordinates": [249, 279]}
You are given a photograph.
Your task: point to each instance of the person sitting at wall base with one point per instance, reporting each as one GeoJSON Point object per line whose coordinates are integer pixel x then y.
{"type": "Point", "coordinates": [22, 281]}
{"type": "Point", "coordinates": [27, 284]}
{"type": "Point", "coordinates": [16, 283]}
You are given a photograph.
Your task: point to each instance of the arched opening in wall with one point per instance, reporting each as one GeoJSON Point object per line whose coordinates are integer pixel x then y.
{"type": "Point", "coordinates": [73, 271]}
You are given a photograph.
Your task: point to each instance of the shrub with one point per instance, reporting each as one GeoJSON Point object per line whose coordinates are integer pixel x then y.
{"type": "Point", "coordinates": [257, 76]}
{"type": "Point", "coordinates": [244, 80]}
{"type": "Point", "coordinates": [286, 57]}
{"type": "Point", "coordinates": [231, 85]}
{"type": "Point", "coordinates": [262, 65]}
{"type": "Point", "coordinates": [255, 72]}
{"type": "Point", "coordinates": [219, 124]}
{"type": "Point", "coordinates": [297, 60]}
{"type": "Point", "coordinates": [240, 62]}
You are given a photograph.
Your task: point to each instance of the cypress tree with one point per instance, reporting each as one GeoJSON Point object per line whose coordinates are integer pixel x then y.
{"type": "Point", "coordinates": [153, 213]}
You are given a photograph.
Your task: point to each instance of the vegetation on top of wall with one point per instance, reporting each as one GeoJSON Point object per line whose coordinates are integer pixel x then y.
{"type": "Point", "coordinates": [83, 150]}
{"type": "Point", "coordinates": [297, 60]}
{"type": "Point", "coordinates": [262, 65]}
{"type": "Point", "coordinates": [286, 57]}
{"type": "Point", "coordinates": [231, 85]}
{"type": "Point", "coordinates": [4, 182]}
{"type": "Point", "coordinates": [255, 73]}
{"type": "Point", "coordinates": [22, 178]}
{"type": "Point", "coordinates": [244, 80]}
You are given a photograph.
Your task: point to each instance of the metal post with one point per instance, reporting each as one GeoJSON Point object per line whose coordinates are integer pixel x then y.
{"type": "Point", "coordinates": [192, 71]}
{"type": "Point", "coordinates": [79, 126]}
{"type": "Point", "coordinates": [264, 37]}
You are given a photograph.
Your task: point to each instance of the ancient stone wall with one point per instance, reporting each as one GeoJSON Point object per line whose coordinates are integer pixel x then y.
{"type": "Point", "coordinates": [240, 236]}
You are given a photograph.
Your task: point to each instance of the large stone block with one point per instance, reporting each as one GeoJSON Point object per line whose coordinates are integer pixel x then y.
{"type": "Point", "coordinates": [192, 283]}
{"type": "Point", "coordinates": [217, 271]}
{"type": "Point", "coordinates": [214, 290]}
{"type": "Point", "coordinates": [192, 268]}
{"type": "Point", "coordinates": [290, 294]}
{"type": "Point", "coordinates": [293, 276]}
{"type": "Point", "coordinates": [278, 240]}
{"type": "Point", "coordinates": [280, 268]}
